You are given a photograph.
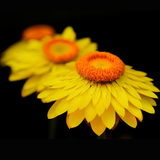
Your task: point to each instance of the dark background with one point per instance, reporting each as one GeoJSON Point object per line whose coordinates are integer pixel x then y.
{"type": "Point", "coordinates": [131, 35]}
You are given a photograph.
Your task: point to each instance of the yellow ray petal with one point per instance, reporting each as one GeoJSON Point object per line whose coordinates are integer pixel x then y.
{"type": "Point", "coordinates": [97, 126]}
{"type": "Point", "coordinates": [129, 119]}
{"type": "Point", "coordinates": [31, 82]}
{"type": "Point", "coordinates": [99, 107]}
{"type": "Point", "coordinates": [92, 88]}
{"type": "Point", "coordinates": [118, 108]}
{"type": "Point", "coordinates": [42, 70]}
{"type": "Point", "coordinates": [69, 34]}
{"type": "Point", "coordinates": [76, 118]}
{"type": "Point", "coordinates": [147, 93]}
{"type": "Point", "coordinates": [90, 112]}
{"type": "Point", "coordinates": [62, 107]}
{"type": "Point", "coordinates": [112, 89]}
{"type": "Point", "coordinates": [57, 94]}
{"type": "Point", "coordinates": [27, 92]}
{"type": "Point", "coordinates": [135, 111]}
{"type": "Point", "coordinates": [121, 95]}
{"type": "Point", "coordinates": [90, 48]}
{"type": "Point", "coordinates": [45, 93]}
{"type": "Point", "coordinates": [109, 117]}
{"type": "Point", "coordinates": [104, 90]}
{"type": "Point", "coordinates": [20, 75]}
{"type": "Point", "coordinates": [75, 103]}
{"type": "Point", "coordinates": [51, 113]}
{"type": "Point", "coordinates": [67, 119]}
{"type": "Point", "coordinates": [86, 99]}
{"type": "Point", "coordinates": [106, 100]}
{"type": "Point", "coordinates": [137, 103]}
{"type": "Point", "coordinates": [84, 42]}
{"type": "Point", "coordinates": [96, 95]}
{"type": "Point", "coordinates": [146, 106]}
{"type": "Point", "coordinates": [128, 67]}
{"type": "Point", "coordinates": [130, 81]}
{"type": "Point", "coordinates": [76, 91]}
{"type": "Point", "coordinates": [132, 91]}
{"type": "Point", "coordinates": [136, 73]}
{"type": "Point", "coordinates": [151, 101]}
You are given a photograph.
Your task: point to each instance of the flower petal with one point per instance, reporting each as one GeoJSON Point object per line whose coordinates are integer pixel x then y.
{"type": "Point", "coordinates": [90, 112]}
{"type": "Point", "coordinates": [99, 107]}
{"type": "Point", "coordinates": [112, 89]}
{"type": "Point", "coordinates": [147, 93]}
{"type": "Point", "coordinates": [135, 111]}
{"type": "Point", "coordinates": [51, 113]}
{"type": "Point", "coordinates": [136, 102]}
{"type": "Point", "coordinates": [97, 126]}
{"type": "Point", "coordinates": [96, 95]}
{"type": "Point", "coordinates": [84, 42]}
{"type": "Point", "coordinates": [27, 92]}
{"type": "Point", "coordinates": [109, 117]}
{"type": "Point", "coordinates": [146, 106]}
{"type": "Point", "coordinates": [118, 108]}
{"type": "Point", "coordinates": [136, 73]}
{"type": "Point", "coordinates": [76, 118]}
{"type": "Point", "coordinates": [129, 119]}
{"type": "Point", "coordinates": [69, 33]}
{"type": "Point", "coordinates": [151, 101]}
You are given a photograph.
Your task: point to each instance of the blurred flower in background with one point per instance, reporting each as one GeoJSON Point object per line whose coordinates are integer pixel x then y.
{"type": "Point", "coordinates": [100, 89]}
{"type": "Point", "coordinates": [41, 51]}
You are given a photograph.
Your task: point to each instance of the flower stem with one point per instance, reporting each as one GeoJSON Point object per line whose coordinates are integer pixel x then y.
{"type": "Point", "coordinates": [102, 136]}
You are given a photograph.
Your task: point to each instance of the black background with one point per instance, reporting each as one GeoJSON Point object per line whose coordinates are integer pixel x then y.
{"type": "Point", "coordinates": [131, 35]}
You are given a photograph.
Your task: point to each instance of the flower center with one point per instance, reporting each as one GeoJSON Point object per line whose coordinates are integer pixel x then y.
{"type": "Point", "coordinates": [100, 67]}
{"type": "Point", "coordinates": [60, 50]}
{"type": "Point", "coordinates": [38, 32]}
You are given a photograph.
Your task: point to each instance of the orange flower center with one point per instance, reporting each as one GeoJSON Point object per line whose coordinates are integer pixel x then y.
{"type": "Point", "coordinates": [38, 32]}
{"type": "Point", "coordinates": [100, 67]}
{"type": "Point", "coordinates": [60, 50]}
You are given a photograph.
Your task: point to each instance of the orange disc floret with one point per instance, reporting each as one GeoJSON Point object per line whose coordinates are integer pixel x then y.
{"type": "Point", "coordinates": [38, 32]}
{"type": "Point", "coordinates": [60, 50]}
{"type": "Point", "coordinates": [100, 67]}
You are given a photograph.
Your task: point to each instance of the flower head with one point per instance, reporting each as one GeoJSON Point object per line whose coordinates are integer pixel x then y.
{"type": "Point", "coordinates": [101, 89]}
{"type": "Point", "coordinates": [41, 51]}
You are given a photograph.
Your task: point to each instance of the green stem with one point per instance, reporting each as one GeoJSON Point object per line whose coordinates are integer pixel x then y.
{"type": "Point", "coordinates": [52, 128]}
{"type": "Point", "coordinates": [102, 136]}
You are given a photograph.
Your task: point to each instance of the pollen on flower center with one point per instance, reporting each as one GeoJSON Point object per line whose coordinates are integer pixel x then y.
{"type": "Point", "coordinates": [100, 67]}
{"type": "Point", "coordinates": [60, 50]}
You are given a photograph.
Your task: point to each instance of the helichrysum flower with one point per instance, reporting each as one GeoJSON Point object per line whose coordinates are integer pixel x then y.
{"type": "Point", "coordinates": [100, 89]}
{"type": "Point", "coordinates": [40, 51]}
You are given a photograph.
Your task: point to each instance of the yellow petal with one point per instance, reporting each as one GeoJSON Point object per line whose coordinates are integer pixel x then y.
{"type": "Point", "coordinates": [84, 42]}
{"type": "Point", "coordinates": [130, 82]}
{"type": "Point", "coordinates": [51, 113]}
{"type": "Point", "coordinates": [62, 107]}
{"type": "Point", "coordinates": [118, 108]}
{"type": "Point", "coordinates": [151, 101]}
{"type": "Point", "coordinates": [86, 99]}
{"type": "Point", "coordinates": [27, 92]}
{"type": "Point", "coordinates": [132, 91]}
{"type": "Point", "coordinates": [137, 103]}
{"type": "Point", "coordinates": [135, 111]}
{"type": "Point", "coordinates": [90, 48]}
{"type": "Point", "coordinates": [75, 103]}
{"type": "Point", "coordinates": [99, 107]}
{"type": "Point", "coordinates": [31, 82]}
{"type": "Point", "coordinates": [76, 118]}
{"type": "Point", "coordinates": [57, 94]}
{"type": "Point", "coordinates": [42, 70]}
{"type": "Point", "coordinates": [107, 100]}
{"type": "Point", "coordinates": [45, 93]}
{"type": "Point", "coordinates": [136, 73]}
{"type": "Point", "coordinates": [129, 119]}
{"type": "Point", "coordinates": [69, 34]}
{"type": "Point", "coordinates": [112, 89]}
{"type": "Point", "coordinates": [90, 112]}
{"type": "Point", "coordinates": [97, 126]}
{"type": "Point", "coordinates": [147, 93]}
{"type": "Point", "coordinates": [146, 106]}
{"type": "Point", "coordinates": [96, 95]}
{"type": "Point", "coordinates": [109, 117]}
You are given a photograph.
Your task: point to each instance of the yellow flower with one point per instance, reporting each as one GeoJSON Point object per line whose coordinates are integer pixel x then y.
{"type": "Point", "coordinates": [101, 89]}
{"type": "Point", "coordinates": [40, 52]}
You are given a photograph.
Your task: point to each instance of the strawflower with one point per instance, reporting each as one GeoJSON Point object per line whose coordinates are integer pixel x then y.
{"type": "Point", "coordinates": [41, 51]}
{"type": "Point", "coordinates": [100, 89]}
